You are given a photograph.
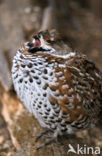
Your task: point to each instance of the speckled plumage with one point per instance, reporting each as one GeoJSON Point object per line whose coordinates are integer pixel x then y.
{"type": "Point", "coordinates": [64, 92]}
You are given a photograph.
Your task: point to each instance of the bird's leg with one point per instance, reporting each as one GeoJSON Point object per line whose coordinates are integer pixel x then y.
{"type": "Point", "coordinates": [52, 139]}
{"type": "Point", "coordinates": [57, 141]}
{"type": "Point", "coordinates": [42, 134]}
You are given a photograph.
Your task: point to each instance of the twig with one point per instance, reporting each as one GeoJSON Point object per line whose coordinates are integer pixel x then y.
{"type": "Point", "coordinates": [49, 17]}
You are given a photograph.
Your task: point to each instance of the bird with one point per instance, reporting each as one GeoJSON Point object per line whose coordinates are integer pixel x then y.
{"type": "Point", "coordinates": [61, 88]}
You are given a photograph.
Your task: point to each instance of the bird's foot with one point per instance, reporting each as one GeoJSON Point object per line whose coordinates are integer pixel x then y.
{"type": "Point", "coordinates": [43, 134]}
{"type": "Point", "coordinates": [51, 138]}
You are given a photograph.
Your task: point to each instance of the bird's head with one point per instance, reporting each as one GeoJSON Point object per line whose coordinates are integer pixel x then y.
{"type": "Point", "coordinates": [42, 42]}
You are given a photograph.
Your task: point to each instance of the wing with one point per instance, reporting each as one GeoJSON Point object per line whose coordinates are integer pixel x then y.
{"type": "Point", "coordinates": [77, 91]}
{"type": "Point", "coordinates": [87, 81]}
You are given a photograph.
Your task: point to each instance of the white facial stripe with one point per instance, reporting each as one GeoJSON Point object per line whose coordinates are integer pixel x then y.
{"type": "Point", "coordinates": [45, 46]}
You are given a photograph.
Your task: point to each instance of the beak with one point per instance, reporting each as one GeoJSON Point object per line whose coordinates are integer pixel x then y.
{"type": "Point", "coordinates": [30, 44]}
{"type": "Point", "coordinates": [34, 44]}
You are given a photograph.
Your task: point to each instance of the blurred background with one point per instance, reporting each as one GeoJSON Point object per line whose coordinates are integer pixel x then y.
{"type": "Point", "coordinates": [79, 23]}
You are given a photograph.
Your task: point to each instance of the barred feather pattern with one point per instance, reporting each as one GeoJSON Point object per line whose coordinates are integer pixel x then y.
{"type": "Point", "coordinates": [63, 92]}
